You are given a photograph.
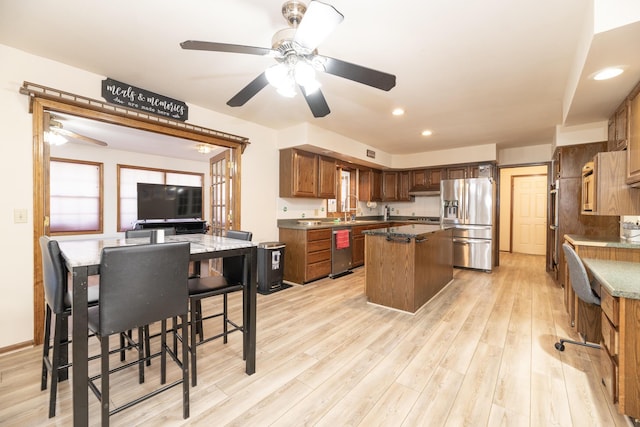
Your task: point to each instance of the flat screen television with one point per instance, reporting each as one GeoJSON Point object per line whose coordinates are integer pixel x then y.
{"type": "Point", "coordinates": [158, 201]}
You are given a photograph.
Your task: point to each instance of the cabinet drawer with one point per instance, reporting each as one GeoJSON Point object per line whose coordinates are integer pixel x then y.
{"type": "Point", "coordinates": [609, 375]}
{"type": "Point", "coordinates": [610, 306]}
{"type": "Point", "coordinates": [609, 336]}
{"type": "Point", "coordinates": [318, 245]}
{"type": "Point", "coordinates": [319, 269]}
{"type": "Point", "coordinates": [320, 234]}
{"type": "Point", "coordinates": [319, 256]}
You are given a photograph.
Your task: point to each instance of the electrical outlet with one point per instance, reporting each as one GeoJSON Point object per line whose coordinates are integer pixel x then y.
{"type": "Point", "coordinates": [19, 215]}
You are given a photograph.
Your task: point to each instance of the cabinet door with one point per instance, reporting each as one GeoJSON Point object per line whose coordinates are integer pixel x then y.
{"type": "Point", "coordinates": [633, 142]}
{"type": "Point", "coordinates": [611, 134]}
{"type": "Point", "coordinates": [389, 186]}
{"type": "Point", "coordinates": [298, 173]}
{"type": "Point", "coordinates": [370, 185]}
{"type": "Point", "coordinates": [457, 172]}
{"type": "Point", "coordinates": [326, 178]}
{"type": "Point", "coordinates": [434, 176]}
{"type": "Point", "coordinates": [621, 126]}
{"type": "Point", "coordinates": [419, 179]}
{"type": "Point", "coordinates": [403, 186]}
{"type": "Point", "coordinates": [376, 187]}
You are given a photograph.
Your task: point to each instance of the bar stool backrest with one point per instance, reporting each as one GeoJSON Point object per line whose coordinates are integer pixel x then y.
{"type": "Point", "coordinates": [142, 284]}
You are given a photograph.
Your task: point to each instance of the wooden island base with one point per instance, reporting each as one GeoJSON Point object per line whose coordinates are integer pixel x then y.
{"type": "Point", "coordinates": [407, 266]}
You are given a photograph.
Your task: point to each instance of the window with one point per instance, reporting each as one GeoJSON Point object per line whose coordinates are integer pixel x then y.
{"type": "Point", "coordinates": [130, 176]}
{"type": "Point", "coordinates": [75, 197]}
{"type": "Point", "coordinates": [346, 192]}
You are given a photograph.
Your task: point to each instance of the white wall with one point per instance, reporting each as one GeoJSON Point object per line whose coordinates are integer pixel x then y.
{"type": "Point", "coordinates": [523, 155]}
{"type": "Point", "coordinates": [259, 180]}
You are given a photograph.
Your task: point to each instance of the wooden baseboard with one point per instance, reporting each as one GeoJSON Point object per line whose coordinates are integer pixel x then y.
{"type": "Point", "coordinates": [14, 347]}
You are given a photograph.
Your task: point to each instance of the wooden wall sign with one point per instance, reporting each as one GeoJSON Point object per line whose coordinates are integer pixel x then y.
{"type": "Point", "coordinates": [115, 92]}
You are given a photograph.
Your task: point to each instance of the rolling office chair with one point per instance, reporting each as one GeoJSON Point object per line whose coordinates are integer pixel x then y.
{"type": "Point", "coordinates": [58, 302]}
{"type": "Point", "coordinates": [140, 285]}
{"type": "Point", "coordinates": [581, 286]}
{"type": "Point", "coordinates": [210, 286]}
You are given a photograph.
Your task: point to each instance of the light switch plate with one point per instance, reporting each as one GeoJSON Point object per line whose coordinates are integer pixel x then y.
{"type": "Point", "coordinates": [19, 215]}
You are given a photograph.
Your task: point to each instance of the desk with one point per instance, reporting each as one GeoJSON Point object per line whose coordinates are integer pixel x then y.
{"type": "Point", "coordinates": [82, 258]}
{"type": "Point", "coordinates": [618, 284]}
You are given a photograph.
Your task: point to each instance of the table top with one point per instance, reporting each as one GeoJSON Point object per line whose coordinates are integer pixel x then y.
{"type": "Point", "coordinates": [87, 252]}
{"type": "Point", "coordinates": [620, 278]}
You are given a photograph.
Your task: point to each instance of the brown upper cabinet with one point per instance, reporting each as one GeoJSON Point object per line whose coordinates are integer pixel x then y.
{"type": "Point", "coordinates": [633, 145]}
{"type": "Point", "coordinates": [617, 129]}
{"type": "Point", "coordinates": [390, 186]}
{"type": "Point", "coordinates": [427, 179]}
{"type": "Point", "coordinates": [370, 185]}
{"type": "Point", "coordinates": [304, 174]}
{"type": "Point", "coordinates": [463, 171]}
{"type": "Point", "coordinates": [404, 178]}
{"type": "Point", "coordinates": [607, 192]}
{"type": "Point", "coordinates": [326, 177]}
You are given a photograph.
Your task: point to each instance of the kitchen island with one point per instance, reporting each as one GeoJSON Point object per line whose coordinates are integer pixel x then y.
{"type": "Point", "coordinates": [406, 266]}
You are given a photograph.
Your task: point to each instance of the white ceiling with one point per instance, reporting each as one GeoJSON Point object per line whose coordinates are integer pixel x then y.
{"type": "Point", "coordinates": [474, 72]}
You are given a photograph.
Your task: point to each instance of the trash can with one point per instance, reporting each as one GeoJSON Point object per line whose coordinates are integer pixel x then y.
{"type": "Point", "coordinates": [270, 266]}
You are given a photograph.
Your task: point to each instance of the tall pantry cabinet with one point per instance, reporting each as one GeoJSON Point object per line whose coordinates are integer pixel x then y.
{"type": "Point", "coordinates": [567, 164]}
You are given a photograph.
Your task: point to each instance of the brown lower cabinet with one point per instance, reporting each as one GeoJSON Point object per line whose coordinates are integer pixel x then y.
{"type": "Point", "coordinates": [308, 254]}
{"type": "Point", "coordinates": [617, 322]}
{"type": "Point", "coordinates": [357, 249]}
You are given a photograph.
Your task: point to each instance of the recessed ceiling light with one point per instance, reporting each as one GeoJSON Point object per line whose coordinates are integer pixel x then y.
{"type": "Point", "coordinates": [608, 73]}
{"type": "Point", "coordinates": [203, 149]}
{"type": "Point", "coordinates": [398, 112]}
{"type": "Point", "coordinates": [427, 132]}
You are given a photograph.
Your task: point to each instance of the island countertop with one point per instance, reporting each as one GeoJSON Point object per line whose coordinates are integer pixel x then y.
{"type": "Point", "coordinates": [408, 231]}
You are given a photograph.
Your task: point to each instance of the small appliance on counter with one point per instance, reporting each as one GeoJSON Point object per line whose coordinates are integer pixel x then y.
{"type": "Point", "coordinates": [631, 232]}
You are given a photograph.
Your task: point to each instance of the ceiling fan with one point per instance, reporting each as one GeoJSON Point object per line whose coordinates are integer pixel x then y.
{"type": "Point", "coordinates": [54, 129]}
{"type": "Point", "coordinates": [294, 50]}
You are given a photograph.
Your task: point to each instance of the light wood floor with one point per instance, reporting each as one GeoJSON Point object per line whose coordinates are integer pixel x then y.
{"type": "Point", "coordinates": [479, 354]}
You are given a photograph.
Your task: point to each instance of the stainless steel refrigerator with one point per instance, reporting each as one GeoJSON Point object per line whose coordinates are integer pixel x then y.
{"type": "Point", "coordinates": [469, 204]}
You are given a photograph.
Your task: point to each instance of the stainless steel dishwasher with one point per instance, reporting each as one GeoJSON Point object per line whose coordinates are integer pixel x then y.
{"type": "Point", "coordinates": [341, 242]}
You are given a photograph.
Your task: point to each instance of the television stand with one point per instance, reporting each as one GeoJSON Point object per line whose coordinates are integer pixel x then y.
{"type": "Point", "coordinates": [182, 226]}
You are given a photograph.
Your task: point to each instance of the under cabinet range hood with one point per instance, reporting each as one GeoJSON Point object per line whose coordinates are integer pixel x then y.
{"type": "Point", "coordinates": [424, 193]}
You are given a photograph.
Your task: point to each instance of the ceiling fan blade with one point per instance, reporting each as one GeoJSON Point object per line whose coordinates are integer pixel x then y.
{"type": "Point", "coordinates": [318, 22]}
{"type": "Point", "coordinates": [358, 73]}
{"type": "Point", "coordinates": [249, 91]}
{"type": "Point", "coordinates": [79, 137]}
{"type": "Point", "coordinates": [316, 102]}
{"type": "Point", "coordinates": [224, 47]}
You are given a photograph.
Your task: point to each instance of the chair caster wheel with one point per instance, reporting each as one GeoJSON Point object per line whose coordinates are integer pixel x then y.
{"type": "Point", "coordinates": [559, 346]}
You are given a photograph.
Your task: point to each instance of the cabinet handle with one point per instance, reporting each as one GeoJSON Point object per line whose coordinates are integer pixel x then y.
{"type": "Point", "coordinates": [398, 239]}
{"type": "Point", "coordinates": [421, 240]}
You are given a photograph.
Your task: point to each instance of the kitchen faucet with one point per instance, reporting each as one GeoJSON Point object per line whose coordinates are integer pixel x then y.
{"type": "Point", "coordinates": [347, 210]}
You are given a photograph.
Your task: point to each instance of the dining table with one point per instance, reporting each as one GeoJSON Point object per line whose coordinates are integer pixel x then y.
{"type": "Point", "coordinates": [82, 259]}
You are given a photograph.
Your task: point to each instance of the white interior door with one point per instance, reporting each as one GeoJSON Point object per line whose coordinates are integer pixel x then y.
{"type": "Point", "coordinates": [529, 211]}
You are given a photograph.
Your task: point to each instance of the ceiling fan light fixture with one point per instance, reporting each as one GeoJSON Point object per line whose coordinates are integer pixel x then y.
{"type": "Point", "coordinates": [305, 76]}
{"type": "Point", "coordinates": [277, 75]}
{"type": "Point", "coordinates": [320, 21]}
{"type": "Point", "coordinates": [54, 138]}
{"type": "Point", "coordinates": [203, 149]}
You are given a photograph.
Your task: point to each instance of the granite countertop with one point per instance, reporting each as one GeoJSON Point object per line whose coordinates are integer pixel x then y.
{"type": "Point", "coordinates": [310, 223]}
{"type": "Point", "coordinates": [620, 278]}
{"type": "Point", "coordinates": [606, 241]}
{"type": "Point", "coordinates": [407, 231]}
